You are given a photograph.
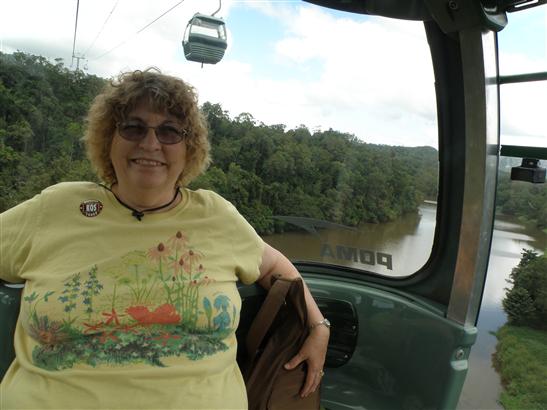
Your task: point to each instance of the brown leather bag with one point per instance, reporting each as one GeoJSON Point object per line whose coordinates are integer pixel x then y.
{"type": "Point", "coordinates": [275, 336]}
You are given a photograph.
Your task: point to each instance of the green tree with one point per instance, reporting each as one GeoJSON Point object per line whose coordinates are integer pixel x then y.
{"type": "Point", "coordinates": [519, 307]}
{"type": "Point", "coordinates": [42, 106]}
{"type": "Point", "coordinates": [526, 302]}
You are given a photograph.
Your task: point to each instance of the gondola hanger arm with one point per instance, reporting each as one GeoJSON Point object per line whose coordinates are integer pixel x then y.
{"type": "Point", "coordinates": [219, 7]}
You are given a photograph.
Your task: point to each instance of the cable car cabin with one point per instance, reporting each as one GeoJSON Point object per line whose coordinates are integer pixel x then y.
{"type": "Point", "coordinates": [403, 298]}
{"type": "Point", "coordinates": [205, 39]}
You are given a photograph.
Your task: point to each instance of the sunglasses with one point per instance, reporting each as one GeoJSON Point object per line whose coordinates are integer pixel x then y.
{"type": "Point", "coordinates": [136, 131]}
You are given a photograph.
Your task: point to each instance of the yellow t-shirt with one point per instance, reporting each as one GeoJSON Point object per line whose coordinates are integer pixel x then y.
{"type": "Point", "coordinates": [120, 313]}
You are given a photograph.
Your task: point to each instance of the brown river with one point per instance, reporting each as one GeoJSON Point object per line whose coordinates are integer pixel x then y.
{"type": "Point", "coordinates": [482, 387]}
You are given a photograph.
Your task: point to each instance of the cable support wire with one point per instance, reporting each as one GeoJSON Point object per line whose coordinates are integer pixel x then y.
{"type": "Point", "coordinates": [102, 28]}
{"type": "Point", "coordinates": [139, 31]}
{"type": "Point", "coordinates": [219, 7]}
{"type": "Point", "coordinates": [75, 30]}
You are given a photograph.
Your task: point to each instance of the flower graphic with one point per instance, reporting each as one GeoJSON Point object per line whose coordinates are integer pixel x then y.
{"type": "Point", "coordinates": [134, 259]}
{"type": "Point", "coordinates": [206, 280]}
{"type": "Point", "coordinates": [164, 315]}
{"type": "Point", "coordinates": [70, 293]}
{"type": "Point", "coordinates": [46, 332]}
{"type": "Point", "coordinates": [159, 253]}
{"type": "Point", "coordinates": [112, 316]}
{"type": "Point", "coordinates": [178, 266]}
{"type": "Point", "coordinates": [93, 328]}
{"type": "Point", "coordinates": [191, 258]}
{"type": "Point", "coordinates": [178, 241]}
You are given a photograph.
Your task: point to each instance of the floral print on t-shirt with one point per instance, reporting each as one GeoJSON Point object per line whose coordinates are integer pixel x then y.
{"type": "Point", "coordinates": [152, 304]}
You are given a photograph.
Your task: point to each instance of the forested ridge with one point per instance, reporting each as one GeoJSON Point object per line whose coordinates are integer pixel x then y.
{"type": "Point", "coordinates": [265, 170]}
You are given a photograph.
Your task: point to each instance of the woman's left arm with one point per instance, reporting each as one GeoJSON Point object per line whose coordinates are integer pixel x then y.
{"type": "Point", "coordinates": [314, 349]}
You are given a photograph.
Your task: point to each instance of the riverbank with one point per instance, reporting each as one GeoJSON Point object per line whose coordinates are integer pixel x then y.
{"type": "Point", "coordinates": [521, 360]}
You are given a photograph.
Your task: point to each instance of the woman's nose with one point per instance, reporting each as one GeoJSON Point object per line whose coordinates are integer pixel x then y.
{"type": "Point", "coordinates": [150, 141]}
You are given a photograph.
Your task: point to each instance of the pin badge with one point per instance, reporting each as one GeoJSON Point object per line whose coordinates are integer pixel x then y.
{"type": "Point", "coordinates": [91, 208]}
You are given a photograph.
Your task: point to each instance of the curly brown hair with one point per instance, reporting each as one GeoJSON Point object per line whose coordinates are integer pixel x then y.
{"type": "Point", "coordinates": [162, 93]}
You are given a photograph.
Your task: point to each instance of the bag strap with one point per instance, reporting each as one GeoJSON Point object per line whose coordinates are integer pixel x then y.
{"type": "Point", "coordinates": [266, 315]}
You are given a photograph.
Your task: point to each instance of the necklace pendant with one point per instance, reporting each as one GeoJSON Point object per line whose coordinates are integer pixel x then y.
{"type": "Point", "coordinates": [137, 214]}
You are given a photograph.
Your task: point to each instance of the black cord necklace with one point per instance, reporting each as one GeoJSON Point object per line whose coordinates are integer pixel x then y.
{"type": "Point", "coordinates": [140, 214]}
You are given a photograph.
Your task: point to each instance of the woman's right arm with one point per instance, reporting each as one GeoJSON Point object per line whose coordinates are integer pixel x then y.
{"type": "Point", "coordinates": [18, 227]}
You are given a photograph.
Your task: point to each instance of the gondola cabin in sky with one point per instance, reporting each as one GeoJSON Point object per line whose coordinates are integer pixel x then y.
{"type": "Point", "coordinates": [205, 39]}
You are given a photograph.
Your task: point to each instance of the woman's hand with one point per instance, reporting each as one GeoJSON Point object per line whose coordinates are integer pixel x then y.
{"type": "Point", "coordinates": [313, 351]}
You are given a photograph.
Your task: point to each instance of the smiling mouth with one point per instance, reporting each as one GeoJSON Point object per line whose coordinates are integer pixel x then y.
{"type": "Point", "coordinates": [147, 162]}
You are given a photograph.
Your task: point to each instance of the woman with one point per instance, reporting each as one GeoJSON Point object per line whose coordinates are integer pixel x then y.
{"type": "Point", "coordinates": [130, 298]}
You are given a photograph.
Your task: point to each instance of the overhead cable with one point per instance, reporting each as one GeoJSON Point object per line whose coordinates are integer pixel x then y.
{"type": "Point", "coordinates": [139, 31]}
{"type": "Point", "coordinates": [102, 28]}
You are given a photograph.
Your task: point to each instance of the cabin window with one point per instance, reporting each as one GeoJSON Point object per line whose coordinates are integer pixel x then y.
{"type": "Point", "coordinates": [521, 207]}
{"type": "Point", "coordinates": [523, 49]}
{"type": "Point", "coordinates": [209, 29]}
{"type": "Point", "coordinates": [360, 191]}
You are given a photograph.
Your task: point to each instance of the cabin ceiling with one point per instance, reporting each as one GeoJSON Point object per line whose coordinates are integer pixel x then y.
{"type": "Point", "coordinates": [450, 15]}
{"type": "Point", "coordinates": [401, 9]}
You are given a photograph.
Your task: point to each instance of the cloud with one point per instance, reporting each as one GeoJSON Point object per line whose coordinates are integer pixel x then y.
{"type": "Point", "coordinates": [371, 77]}
{"type": "Point", "coordinates": [523, 110]}
{"type": "Point", "coordinates": [381, 91]}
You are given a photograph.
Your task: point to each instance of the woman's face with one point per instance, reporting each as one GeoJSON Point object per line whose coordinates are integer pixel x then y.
{"type": "Point", "coordinates": [148, 165]}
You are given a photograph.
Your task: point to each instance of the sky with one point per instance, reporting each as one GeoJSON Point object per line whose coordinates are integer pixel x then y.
{"type": "Point", "coordinates": [287, 62]}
